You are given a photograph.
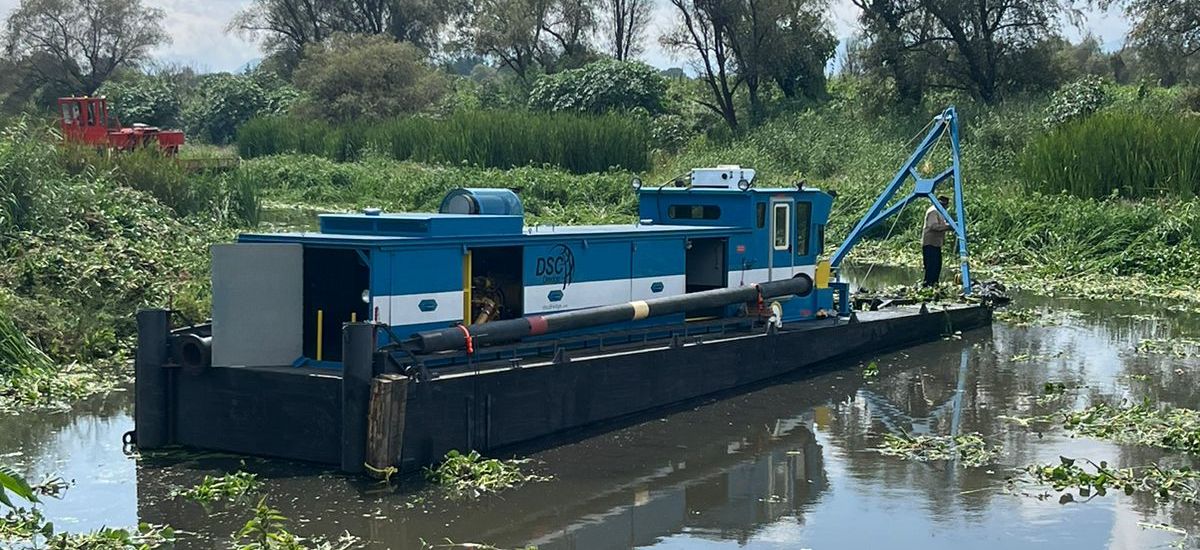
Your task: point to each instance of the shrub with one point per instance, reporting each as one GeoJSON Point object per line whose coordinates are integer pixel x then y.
{"type": "Point", "coordinates": [601, 87]}
{"type": "Point", "coordinates": [1075, 100]}
{"type": "Point", "coordinates": [223, 102]}
{"type": "Point", "coordinates": [143, 99]}
{"type": "Point", "coordinates": [353, 78]}
{"type": "Point", "coordinates": [1130, 155]}
{"type": "Point", "coordinates": [495, 139]}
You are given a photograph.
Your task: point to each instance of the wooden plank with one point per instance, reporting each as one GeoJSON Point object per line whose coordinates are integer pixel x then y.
{"type": "Point", "coordinates": [385, 424]}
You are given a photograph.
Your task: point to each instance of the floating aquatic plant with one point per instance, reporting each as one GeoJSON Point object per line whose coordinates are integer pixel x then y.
{"type": "Point", "coordinates": [472, 475]}
{"type": "Point", "coordinates": [969, 449]}
{"type": "Point", "coordinates": [1182, 484]}
{"type": "Point", "coordinates": [229, 487]}
{"type": "Point", "coordinates": [1179, 347]}
{"type": "Point", "coordinates": [1171, 428]}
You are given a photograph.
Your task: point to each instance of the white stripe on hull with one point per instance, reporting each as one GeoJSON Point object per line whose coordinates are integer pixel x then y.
{"type": "Point", "coordinates": [406, 309]}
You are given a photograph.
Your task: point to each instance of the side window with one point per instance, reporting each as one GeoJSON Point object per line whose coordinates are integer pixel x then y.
{"type": "Point", "coordinates": [820, 239]}
{"type": "Point", "coordinates": [68, 113]}
{"type": "Point", "coordinates": [803, 227]}
{"type": "Point", "coordinates": [781, 225]}
{"type": "Point", "coordinates": [761, 215]}
{"type": "Point", "coordinates": [693, 212]}
{"type": "Point", "coordinates": [91, 114]}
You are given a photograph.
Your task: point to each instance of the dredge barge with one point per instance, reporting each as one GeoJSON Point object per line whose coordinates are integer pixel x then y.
{"type": "Point", "coordinates": [385, 340]}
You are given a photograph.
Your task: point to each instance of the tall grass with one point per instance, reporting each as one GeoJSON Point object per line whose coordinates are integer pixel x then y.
{"type": "Point", "coordinates": [493, 139]}
{"type": "Point", "coordinates": [1130, 155]}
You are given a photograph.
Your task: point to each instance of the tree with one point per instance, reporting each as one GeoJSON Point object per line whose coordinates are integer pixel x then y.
{"type": "Point", "coordinates": [897, 33]}
{"type": "Point", "coordinates": [982, 46]}
{"type": "Point", "coordinates": [353, 77]}
{"type": "Point", "coordinates": [78, 44]}
{"type": "Point", "coordinates": [511, 31]}
{"type": "Point", "coordinates": [287, 27]}
{"type": "Point", "coordinates": [1172, 25]}
{"type": "Point", "coordinates": [754, 42]}
{"type": "Point", "coordinates": [624, 26]}
{"type": "Point", "coordinates": [703, 33]}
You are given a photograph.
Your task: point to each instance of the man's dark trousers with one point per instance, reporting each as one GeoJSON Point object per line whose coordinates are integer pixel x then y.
{"type": "Point", "coordinates": [932, 258]}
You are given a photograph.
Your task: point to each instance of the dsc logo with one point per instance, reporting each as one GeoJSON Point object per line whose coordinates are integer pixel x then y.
{"type": "Point", "coordinates": [556, 267]}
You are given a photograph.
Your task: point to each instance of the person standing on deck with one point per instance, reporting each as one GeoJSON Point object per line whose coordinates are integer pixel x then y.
{"type": "Point", "coordinates": [933, 236]}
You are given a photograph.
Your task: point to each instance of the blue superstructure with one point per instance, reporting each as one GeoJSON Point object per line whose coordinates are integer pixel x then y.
{"type": "Point", "coordinates": [476, 261]}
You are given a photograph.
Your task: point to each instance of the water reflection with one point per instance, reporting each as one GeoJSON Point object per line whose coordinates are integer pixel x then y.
{"type": "Point", "coordinates": [785, 466]}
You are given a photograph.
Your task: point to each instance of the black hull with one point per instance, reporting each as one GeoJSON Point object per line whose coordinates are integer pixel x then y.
{"type": "Point", "coordinates": [317, 416]}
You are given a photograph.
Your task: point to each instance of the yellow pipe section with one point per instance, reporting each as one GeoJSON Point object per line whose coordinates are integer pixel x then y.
{"type": "Point", "coordinates": [467, 289]}
{"type": "Point", "coordinates": [320, 331]}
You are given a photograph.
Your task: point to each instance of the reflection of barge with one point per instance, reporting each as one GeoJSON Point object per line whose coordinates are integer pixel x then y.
{"type": "Point", "coordinates": [388, 339]}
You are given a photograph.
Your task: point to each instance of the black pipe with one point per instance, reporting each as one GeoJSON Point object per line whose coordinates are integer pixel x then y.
{"type": "Point", "coordinates": [496, 332]}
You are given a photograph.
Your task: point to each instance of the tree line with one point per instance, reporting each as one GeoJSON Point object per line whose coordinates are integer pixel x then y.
{"type": "Point", "coordinates": [343, 60]}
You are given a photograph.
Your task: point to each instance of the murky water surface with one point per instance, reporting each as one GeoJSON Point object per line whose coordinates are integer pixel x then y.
{"type": "Point", "coordinates": [786, 466]}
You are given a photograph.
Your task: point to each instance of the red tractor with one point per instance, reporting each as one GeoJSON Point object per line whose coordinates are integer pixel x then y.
{"type": "Point", "coordinates": [85, 120]}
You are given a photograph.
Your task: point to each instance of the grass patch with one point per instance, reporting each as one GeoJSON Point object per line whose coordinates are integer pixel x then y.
{"type": "Point", "coordinates": [969, 450]}
{"type": "Point", "coordinates": [1118, 153]}
{"type": "Point", "coordinates": [492, 139]}
{"type": "Point", "coordinates": [471, 475]}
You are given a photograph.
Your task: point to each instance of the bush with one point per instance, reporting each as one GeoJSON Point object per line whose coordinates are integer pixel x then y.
{"type": "Point", "coordinates": [143, 99]}
{"type": "Point", "coordinates": [601, 87]}
{"type": "Point", "coordinates": [354, 78]}
{"type": "Point", "coordinates": [494, 139]}
{"type": "Point", "coordinates": [1075, 100]}
{"type": "Point", "coordinates": [223, 102]}
{"type": "Point", "coordinates": [1130, 155]}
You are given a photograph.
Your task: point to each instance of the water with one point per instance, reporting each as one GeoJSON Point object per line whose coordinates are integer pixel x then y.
{"type": "Point", "coordinates": [785, 466]}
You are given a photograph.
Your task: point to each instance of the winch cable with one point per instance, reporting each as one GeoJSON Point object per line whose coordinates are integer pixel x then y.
{"type": "Point", "coordinates": [915, 137]}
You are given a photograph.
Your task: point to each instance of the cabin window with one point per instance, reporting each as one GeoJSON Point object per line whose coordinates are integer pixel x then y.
{"type": "Point", "coordinates": [782, 226]}
{"type": "Point", "coordinates": [91, 114]}
{"type": "Point", "coordinates": [762, 215]}
{"type": "Point", "coordinates": [70, 112]}
{"type": "Point", "coordinates": [803, 227]}
{"type": "Point", "coordinates": [693, 212]}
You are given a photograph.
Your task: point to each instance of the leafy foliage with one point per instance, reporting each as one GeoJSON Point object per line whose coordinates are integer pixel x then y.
{"type": "Point", "coordinates": [143, 99]}
{"type": "Point", "coordinates": [1076, 100]}
{"type": "Point", "coordinates": [601, 87]}
{"type": "Point", "coordinates": [472, 475]}
{"type": "Point", "coordinates": [494, 139]}
{"type": "Point", "coordinates": [363, 78]}
{"type": "Point", "coordinates": [81, 254]}
{"type": "Point", "coordinates": [223, 102]}
{"type": "Point", "coordinates": [1181, 484]}
{"type": "Point", "coordinates": [267, 530]}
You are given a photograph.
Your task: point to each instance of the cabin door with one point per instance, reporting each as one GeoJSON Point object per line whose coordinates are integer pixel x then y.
{"type": "Point", "coordinates": [780, 259]}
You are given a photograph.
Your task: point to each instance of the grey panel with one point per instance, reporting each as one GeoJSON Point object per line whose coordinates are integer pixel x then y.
{"type": "Point", "coordinates": [258, 300]}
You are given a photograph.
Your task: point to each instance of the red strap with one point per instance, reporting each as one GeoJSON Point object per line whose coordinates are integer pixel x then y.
{"type": "Point", "coordinates": [470, 340]}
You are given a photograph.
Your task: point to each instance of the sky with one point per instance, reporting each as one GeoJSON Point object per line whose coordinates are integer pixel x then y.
{"type": "Point", "coordinates": [199, 40]}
